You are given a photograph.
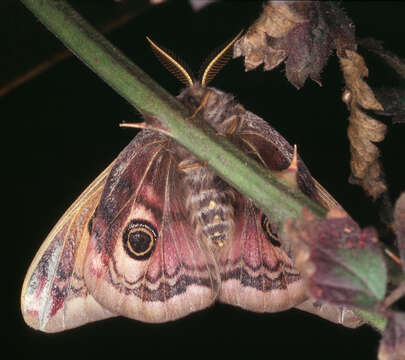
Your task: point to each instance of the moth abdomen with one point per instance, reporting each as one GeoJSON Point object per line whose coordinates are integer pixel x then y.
{"type": "Point", "coordinates": [215, 219]}
{"type": "Point", "coordinates": [210, 204]}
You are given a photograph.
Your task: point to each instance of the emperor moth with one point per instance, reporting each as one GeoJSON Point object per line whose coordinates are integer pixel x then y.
{"type": "Point", "coordinates": [157, 235]}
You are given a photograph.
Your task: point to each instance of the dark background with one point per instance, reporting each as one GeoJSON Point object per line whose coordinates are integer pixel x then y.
{"type": "Point", "coordinates": [61, 129]}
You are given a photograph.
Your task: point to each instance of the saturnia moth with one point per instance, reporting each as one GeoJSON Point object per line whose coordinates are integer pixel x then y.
{"type": "Point", "coordinates": [157, 235]}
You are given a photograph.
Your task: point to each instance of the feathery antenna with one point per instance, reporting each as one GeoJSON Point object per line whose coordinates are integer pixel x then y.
{"type": "Point", "coordinates": [182, 72]}
{"type": "Point", "coordinates": [169, 61]}
{"type": "Point", "coordinates": [218, 62]}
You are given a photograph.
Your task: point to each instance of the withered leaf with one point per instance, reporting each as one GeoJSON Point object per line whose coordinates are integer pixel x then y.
{"type": "Point", "coordinates": [301, 33]}
{"type": "Point", "coordinates": [341, 263]}
{"type": "Point", "coordinates": [363, 130]}
{"type": "Point", "coordinates": [399, 226]}
{"type": "Point", "coordinates": [392, 345]}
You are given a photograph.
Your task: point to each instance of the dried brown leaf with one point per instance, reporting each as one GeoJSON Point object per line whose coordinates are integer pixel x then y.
{"type": "Point", "coordinates": [301, 33]}
{"type": "Point", "coordinates": [392, 346]}
{"type": "Point", "coordinates": [363, 130]}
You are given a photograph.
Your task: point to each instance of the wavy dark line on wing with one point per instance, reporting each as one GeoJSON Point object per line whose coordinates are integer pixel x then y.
{"type": "Point", "coordinates": [164, 291]}
{"type": "Point", "coordinates": [261, 282]}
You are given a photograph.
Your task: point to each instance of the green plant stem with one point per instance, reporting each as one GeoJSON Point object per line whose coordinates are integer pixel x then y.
{"type": "Point", "coordinates": [275, 198]}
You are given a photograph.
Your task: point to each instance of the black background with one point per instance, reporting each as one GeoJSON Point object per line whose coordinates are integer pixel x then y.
{"type": "Point", "coordinates": [61, 130]}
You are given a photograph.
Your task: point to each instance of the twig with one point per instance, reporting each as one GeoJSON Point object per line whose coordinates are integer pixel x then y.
{"type": "Point", "coordinates": [394, 296]}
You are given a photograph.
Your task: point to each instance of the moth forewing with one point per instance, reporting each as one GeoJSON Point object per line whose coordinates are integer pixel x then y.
{"type": "Point", "coordinates": [53, 296]}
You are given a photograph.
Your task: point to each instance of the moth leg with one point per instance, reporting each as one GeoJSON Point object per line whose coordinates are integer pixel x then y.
{"type": "Point", "coordinates": [234, 122]}
{"type": "Point", "coordinates": [204, 102]}
{"type": "Point", "coordinates": [253, 151]}
{"type": "Point", "coordinates": [186, 165]}
{"type": "Point", "coordinates": [145, 125]}
{"type": "Point", "coordinates": [231, 123]}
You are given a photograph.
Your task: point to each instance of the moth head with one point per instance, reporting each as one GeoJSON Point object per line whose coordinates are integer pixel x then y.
{"type": "Point", "coordinates": [182, 72]}
{"type": "Point", "coordinates": [193, 96]}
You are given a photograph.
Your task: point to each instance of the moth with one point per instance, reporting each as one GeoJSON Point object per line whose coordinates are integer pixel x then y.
{"type": "Point", "coordinates": [157, 235]}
